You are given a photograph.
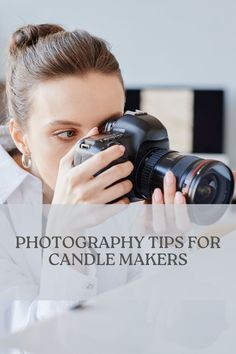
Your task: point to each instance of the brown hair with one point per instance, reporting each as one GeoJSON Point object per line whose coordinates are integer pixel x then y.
{"type": "Point", "coordinates": [43, 52]}
{"type": "Point", "coordinates": [2, 103]}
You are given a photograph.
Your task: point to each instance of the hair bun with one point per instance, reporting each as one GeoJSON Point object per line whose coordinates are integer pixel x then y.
{"type": "Point", "coordinates": [29, 35]}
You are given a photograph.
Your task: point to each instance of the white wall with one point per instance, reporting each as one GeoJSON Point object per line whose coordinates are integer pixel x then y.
{"type": "Point", "coordinates": [178, 42]}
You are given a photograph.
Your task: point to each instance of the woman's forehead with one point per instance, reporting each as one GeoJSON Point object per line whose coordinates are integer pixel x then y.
{"type": "Point", "coordinates": [94, 96]}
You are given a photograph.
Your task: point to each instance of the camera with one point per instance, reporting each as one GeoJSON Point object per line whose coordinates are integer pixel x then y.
{"type": "Point", "coordinates": [146, 141]}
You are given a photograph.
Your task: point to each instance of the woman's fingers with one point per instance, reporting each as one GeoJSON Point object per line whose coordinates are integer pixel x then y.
{"type": "Point", "coordinates": [181, 213]}
{"type": "Point", "coordinates": [113, 174]}
{"type": "Point", "coordinates": [169, 187]}
{"type": "Point", "coordinates": [179, 198]}
{"type": "Point", "coordinates": [174, 215]}
{"type": "Point", "coordinates": [114, 192]}
{"type": "Point", "coordinates": [169, 196]}
{"type": "Point", "coordinates": [90, 167]}
{"type": "Point", "coordinates": [124, 200]}
{"type": "Point", "coordinates": [158, 211]}
{"type": "Point", "coordinates": [157, 197]}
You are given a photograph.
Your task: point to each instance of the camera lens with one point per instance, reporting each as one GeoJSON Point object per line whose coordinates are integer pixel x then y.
{"type": "Point", "coordinates": [207, 190]}
{"type": "Point", "coordinates": [201, 181]}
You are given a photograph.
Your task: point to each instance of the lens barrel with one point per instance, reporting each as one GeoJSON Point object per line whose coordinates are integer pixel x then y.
{"type": "Point", "coordinates": [201, 181]}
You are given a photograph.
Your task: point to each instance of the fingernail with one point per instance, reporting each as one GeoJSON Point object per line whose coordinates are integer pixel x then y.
{"type": "Point", "coordinates": [169, 177]}
{"type": "Point", "coordinates": [121, 147]}
{"type": "Point", "coordinates": [157, 195]}
{"type": "Point", "coordinates": [179, 199]}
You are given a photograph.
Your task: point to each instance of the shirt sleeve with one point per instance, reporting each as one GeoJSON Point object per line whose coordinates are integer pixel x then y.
{"type": "Point", "coordinates": [23, 301]}
{"type": "Point", "coordinates": [26, 297]}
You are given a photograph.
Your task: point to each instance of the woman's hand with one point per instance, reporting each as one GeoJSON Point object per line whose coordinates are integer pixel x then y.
{"type": "Point", "coordinates": [170, 196]}
{"type": "Point", "coordinates": [76, 185]}
{"type": "Point", "coordinates": [169, 209]}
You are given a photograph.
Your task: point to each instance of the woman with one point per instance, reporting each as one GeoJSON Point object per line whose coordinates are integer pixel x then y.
{"type": "Point", "coordinates": [61, 86]}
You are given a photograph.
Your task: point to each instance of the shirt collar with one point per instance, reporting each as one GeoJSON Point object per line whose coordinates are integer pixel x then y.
{"type": "Point", "coordinates": [11, 175]}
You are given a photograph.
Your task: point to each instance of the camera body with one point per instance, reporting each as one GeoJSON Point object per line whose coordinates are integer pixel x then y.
{"type": "Point", "coordinates": [137, 131]}
{"type": "Point", "coordinates": [147, 147]}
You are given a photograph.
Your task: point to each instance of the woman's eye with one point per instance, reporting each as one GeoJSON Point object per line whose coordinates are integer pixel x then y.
{"type": "Point", "coordinates": [68, 134]}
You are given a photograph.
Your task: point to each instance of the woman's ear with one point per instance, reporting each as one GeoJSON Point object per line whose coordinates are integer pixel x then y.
{"type": "Point", "coordinates": [18, 136]}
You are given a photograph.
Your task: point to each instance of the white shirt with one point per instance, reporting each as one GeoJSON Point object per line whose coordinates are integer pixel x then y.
{"type": "Point", "coordinates": [17, 186]}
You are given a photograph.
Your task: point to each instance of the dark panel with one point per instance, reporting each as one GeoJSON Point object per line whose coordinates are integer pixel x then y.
{"type": "Point", "coordinates": [208, 118]}
{"type": "Point", "coordinates": [208, 113]}
{"type": "Point", "coordinates": [132, 100]}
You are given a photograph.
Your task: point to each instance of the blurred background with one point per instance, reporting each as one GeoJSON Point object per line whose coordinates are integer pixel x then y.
{"type": "Point", "coordinates": [178, 60]}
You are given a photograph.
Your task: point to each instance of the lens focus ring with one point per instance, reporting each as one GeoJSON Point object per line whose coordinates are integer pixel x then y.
{"type": "Point", "coordinates": [147, 171]}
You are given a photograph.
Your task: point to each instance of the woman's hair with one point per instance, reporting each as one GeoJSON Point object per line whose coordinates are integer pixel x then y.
{"type": "Point", "coordinates": [43, 52]}
{"type": "Point", "coordinates": [2, 103]}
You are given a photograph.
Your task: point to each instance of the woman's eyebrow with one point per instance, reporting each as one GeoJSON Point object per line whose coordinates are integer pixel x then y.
{"type": "Point", "coordinates": [71, 122]}
{"type": "Point", "coordinates": [63, 122]}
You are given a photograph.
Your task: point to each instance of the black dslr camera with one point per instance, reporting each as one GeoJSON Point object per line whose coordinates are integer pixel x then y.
{"type": "Point", "coordinates": [147, 147]}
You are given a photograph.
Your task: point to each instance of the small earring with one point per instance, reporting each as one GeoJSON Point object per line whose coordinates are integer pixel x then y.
{"type": "Point", "coordinates": [26, 160]}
